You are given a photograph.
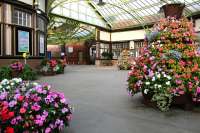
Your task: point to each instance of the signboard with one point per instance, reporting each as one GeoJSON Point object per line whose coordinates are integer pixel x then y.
{"type": "Point", "coordinates": [70, 49]}
{"type": "Point", "coordinates": [42, 47]}
{"type": "Point", "coordinates": [23, 41]}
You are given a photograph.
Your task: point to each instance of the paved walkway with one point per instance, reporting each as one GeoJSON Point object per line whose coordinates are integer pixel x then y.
{"type": "Point", "coordinates": [102, 106]}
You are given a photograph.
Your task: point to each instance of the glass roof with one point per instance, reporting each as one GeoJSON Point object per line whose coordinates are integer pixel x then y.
{"type": "Point", "coordinates": [119, 14]}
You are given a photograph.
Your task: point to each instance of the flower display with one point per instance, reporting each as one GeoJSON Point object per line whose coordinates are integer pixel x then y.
{"type": "Point", "coordinates": [52, 66]}
{"type": "Point", "coordinates": [27, 107]}
{"type": "Point", "coordinates": [168, 65]}
{"type": "Point", "coordinates": [17, 66]}
{"type": "Point", "coordinates": [124, 61]}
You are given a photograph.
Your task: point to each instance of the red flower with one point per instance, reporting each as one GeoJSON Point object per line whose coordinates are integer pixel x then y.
{"type": "Point", "coordinates": [11, 114]}
{"type": "Point", "coordinates": [9, 130]}
{"type": "Point", "coordinates": [21, 98]}
{"type": "Point", "coordinates": [22, 110]}
{"type": "Point", "coordinates": [196, 78]}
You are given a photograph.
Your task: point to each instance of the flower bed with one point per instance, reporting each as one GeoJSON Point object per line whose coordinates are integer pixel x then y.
{"type": "Point", "coordinates": [168, 67]}
{"type": "Point", "coordinates": [52, 67]}
{"type": "Point", "coordinates": [18, 70]}
{"type": "Point", "coordinates": [27, 107]}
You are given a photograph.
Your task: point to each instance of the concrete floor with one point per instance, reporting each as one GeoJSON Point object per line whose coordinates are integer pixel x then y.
{"type": "Point", "coordinates": [101, 105]}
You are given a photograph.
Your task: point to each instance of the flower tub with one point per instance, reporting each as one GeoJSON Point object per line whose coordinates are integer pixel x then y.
{"type": "Point", "coordinates": [52, 67]}
{"type": "Point", "coordinates": [167, 72]}
{"type": "Point", "coordinates": [27, 107]}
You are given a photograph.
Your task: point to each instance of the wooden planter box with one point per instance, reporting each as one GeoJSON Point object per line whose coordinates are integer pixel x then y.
{"type": "Point", "coordinates": [106, 62]}
{"type": "Point", "coordinates": [48, 73]}
{"type": "Point", "coordinates": [15, 74]}
{"type": "Point", "coordinates": [183, 101]}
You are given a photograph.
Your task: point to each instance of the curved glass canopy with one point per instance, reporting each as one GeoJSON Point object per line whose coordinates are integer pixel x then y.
{"type": "Point", "coordinates": [119, 14]}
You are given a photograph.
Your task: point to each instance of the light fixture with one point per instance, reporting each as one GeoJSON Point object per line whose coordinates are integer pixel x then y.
{"type": "Point", "coordinates": [101, 3]}
{"type": "Point", "coordinates": [36, 4]}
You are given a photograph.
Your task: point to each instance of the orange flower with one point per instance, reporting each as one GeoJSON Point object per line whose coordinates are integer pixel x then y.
{"type": "Point", "coordinates": [171, 61]}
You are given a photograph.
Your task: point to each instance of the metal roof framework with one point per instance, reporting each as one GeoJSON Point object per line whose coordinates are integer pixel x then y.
{"type": "Point", "coordinates": [120, 14]}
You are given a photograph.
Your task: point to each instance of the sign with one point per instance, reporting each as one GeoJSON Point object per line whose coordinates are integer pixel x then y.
{"type": "Point", "coordinates": [70, 49]}
{"type": "Point", "coordinates": [23, 41]}
{"type": "Point", "coordinates": [132, 45]}
{"type": "Point", "coordinates": [42, 47]}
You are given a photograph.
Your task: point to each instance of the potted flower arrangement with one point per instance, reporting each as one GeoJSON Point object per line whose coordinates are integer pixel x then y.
{"type": "Point", "coordinates": [167, 71]}
{"type": "Point", "coordinates": [124, 62]}
{"type": "Point", "coordinates": [17, 67]}
{"type": "Point", "coordinates": [51, 67]}
{"type": "Point", "coordinates": [27, 107]}
{"type": "Point", "coordinates": [107, 59]}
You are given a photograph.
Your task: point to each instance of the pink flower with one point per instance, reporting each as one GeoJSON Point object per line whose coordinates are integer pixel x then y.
{"type": "Point", "coordinates": [22, 110]}
{"type": "Point", "coordinates": [35, 107]}
{"type": "Point", "coordinates": [178, 81]}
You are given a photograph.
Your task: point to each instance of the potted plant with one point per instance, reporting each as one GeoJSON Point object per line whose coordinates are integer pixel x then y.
{"type": "Point", "coordinates": [107, 59]}
{"type": "Point", "coordinates": [167, 72]}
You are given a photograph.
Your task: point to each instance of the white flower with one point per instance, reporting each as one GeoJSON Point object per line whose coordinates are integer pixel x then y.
{"type": "Point", "coordinates": [158, 75]}
{"type": "Point", "coordinates": [155, 85]}
{"type": "Point", "coordinates": [8, 87]}
{"type": "Point", "coordinates": [147, 83]}
{"type": "Point", "coordinates": [168, 83]}
{"type": "Point", "coordinates": [1, 87]}
{"type": "Point", "coordinates": [153, 79]}
{"type": "Point", "coordinates": [168, 77]}
{"type": "Point", "coordinates": [5, 82]}
{"type": "Point", "coordinates": [165, 75]}
{"type": "Point", "coordinates": [146, 91]}
{"type": "Point", "coordinates": [159, 86]}
{"type": "Point", "coordinates": [12, 84]}
{"type": "Point", "coordinates": [23, 88]}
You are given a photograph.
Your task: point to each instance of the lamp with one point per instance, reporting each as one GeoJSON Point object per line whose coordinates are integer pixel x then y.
{"type": "Point", "coordinates": [36, 4]}
{"type": "Point", "coordinates": [101, 3]}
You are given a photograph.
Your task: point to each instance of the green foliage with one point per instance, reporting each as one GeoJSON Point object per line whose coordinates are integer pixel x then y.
{"type": "Point", "coordinates": [5, 73]}
{"type": "Point", "coordinates": [28, 73]}
{"type": "Point", "coordinates": [107, 55]}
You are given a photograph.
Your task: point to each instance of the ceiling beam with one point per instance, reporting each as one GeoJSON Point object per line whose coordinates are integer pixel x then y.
{"type": "Point", "coordinates": [99, 14]}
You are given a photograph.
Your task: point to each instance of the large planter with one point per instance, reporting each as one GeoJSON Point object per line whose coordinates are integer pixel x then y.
{"type": "Point", "coordinates": [48, 73]}
{"type": "Point", "coordinates": [106, 63]}
{"type": "Point", "coordinates": [15, 74]}
{"type": "Point", "coordinates": [173, 10]}
{"type": "Point", "coordinates": [183, 101]}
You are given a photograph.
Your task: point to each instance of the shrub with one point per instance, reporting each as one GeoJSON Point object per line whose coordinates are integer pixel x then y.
{"type": "Point", "coordinates": [28, 73]}
{"type": "Point", "coordinates": [5, 72]}
{"type": "Point", "coordinates": [27, 107]}
{"type": "Point", "coordinates": [107, 55]}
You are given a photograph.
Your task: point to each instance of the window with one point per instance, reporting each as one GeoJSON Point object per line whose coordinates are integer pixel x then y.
{"type": "Point", "coordinates": [41, 42]}
{"type": "Point", "coordinates": [117, 48]}
{"type": "Point", "coordinates": [137, 45]}
{"type": "Point", "coordinates": [103, 48]}
{"type": "Point", "coordinates": [41, 24]}
{"type": "Point", "coordinates": [21, 18]}
{"type": "Point", "coordinates": [41, 36]}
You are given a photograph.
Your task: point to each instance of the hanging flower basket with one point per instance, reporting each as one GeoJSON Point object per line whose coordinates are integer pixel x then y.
{"type": "Point", "coordinates": [173, 10]}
